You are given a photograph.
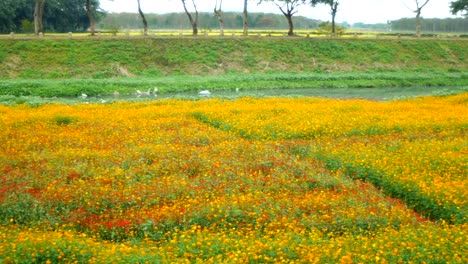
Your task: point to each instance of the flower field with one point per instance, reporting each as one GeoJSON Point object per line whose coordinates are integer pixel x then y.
{"type": "Point", "coordinates": [302, 180]}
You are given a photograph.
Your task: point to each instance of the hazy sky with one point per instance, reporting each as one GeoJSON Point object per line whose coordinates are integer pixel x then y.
{"type": "Point", "coordinates": [351, 11]}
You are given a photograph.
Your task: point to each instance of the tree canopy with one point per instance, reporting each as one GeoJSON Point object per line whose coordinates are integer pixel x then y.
{"type": "Point", "coordinates": [459, 6]}
{"type": "Point", "coordinates": [59, 15]}
{"type": "Point", "coordinates": [12, 12]}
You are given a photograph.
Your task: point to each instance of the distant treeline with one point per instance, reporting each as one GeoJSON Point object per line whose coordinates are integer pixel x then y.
{"type": "Point", "coordinates": [233, 20]}
{"type": "Point", "coordinates": [206, 21]}
{"type": "Point", "coordinates": [432, 24]}
{"type": "Point", "coordinates": [429, 25]}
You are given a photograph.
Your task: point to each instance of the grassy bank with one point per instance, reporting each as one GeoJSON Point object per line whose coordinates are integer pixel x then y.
{"type": "Point", "coordinates": [64, 67]}
{"type": "Point", "coordinates": [106, 58]}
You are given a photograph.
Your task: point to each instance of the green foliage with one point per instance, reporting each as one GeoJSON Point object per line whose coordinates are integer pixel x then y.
{"type": "Point", "coordinates": [2, 56]}
{"type": "Point", "coordinates": [112, 28]}
{"type": "Point", "coordinates": [326, 28]}
{"type": "Point", "coordinates": [12, 12]}
{"type": "Point", "coordinates": [46, 252]}
{"type": "Point", "coordinates": [59, 15]}
{"type": "Point", "coordinates": [63, 120]}
{"type": "Point", "coordinates": [27, 26]}
{"type": "Point", "coordinates": [25, 210]}
{"type": "Point", "coordinates": [459, 6]}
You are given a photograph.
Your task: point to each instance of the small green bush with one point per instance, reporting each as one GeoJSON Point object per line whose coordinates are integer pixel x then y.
{"type": "Point", "coordinates": [63, 120]}
{"type": "Point", "coordinates": [326, 28]}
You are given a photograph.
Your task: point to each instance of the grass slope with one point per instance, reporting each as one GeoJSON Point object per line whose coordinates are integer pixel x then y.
{"type": "Point", "coordinates": [104, 58]}
{"type": "Point", "coordinates": [62, 67]}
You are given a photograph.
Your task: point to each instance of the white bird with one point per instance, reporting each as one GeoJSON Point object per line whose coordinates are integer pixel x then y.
{"type": "Point", "coordinates": [155, 91]}
{"type": "Point", "coordinates": [204, 93]}
{"type": "Point", "coordinates": [116, 93]}
{"type": "Point", "coordinates": [140, 93]}
{"type": "Point", "coordinates": [237, 90]}
{"type": "Point", "coordinates": [84, 96]}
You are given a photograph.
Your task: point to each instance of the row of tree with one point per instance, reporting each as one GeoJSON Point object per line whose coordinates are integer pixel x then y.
{"type": "Point", "coordinates": [268, 21]}
{"type": "Point", "coordinates": [287, 7]}
{"type": "Point", "coordinates": [290, 7]}
{"type": "Point", "coordinates": [78, 15]}
{"type": "Point", "coordinates": [206, 21]}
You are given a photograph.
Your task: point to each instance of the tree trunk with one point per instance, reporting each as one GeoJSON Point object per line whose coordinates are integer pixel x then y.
{"type": "Point", "coordinates": [333, 25]}
{"type": "Point", "coordinates": [418, 16]}
{"type": "Point", "coordinates": [145, 23]}
{"type": "Point", "coordinates": [218, 14]}
{"type": "Point", "coordinates": [291, 25]}
{"type": "Point", "coordinates": [39, 7]}
{"type": "Point", "coordinates": [90, 16]}
{"type": "Point", "coordinates": [334, 10]}
{"type": "Point", "coordinates": [418, 23]}
{"type": "Point", "coordinates": [37, 19]}
{"type": "Point", "coordinates": [245, 18]}
{"type": "Point", "coordinates": [193, 21]}
{"type": "Point", "coordinates": [221, 23]}
{"type": "Point", "coordinates": [289, 12]}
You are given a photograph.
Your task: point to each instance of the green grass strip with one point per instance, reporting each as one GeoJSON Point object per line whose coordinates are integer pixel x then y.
{"type": "Point", "coordinates": [411, 195]}
{"type": "Point", "coordinates": [172, 84]}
